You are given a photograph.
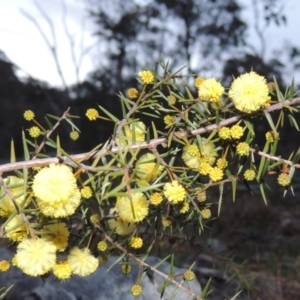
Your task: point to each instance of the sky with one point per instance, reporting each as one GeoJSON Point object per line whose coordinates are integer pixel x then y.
{"type": "Point", "coordinates": [24, 45]}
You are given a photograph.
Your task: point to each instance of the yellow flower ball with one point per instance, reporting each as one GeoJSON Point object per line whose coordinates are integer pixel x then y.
{"type": "Point", "coordinates": [169, 120]}
{"type": "Point", "coordinates": [62, 270]}
{"type": "Point", "coordinates": [34, 132]}
{"type": "Point", "coordinates": [82, 262]}
{"type": "Point", "coordinates": [216, 174]}
{"type": "Point", "coordinates": [86, 192]}
{"type": "Point", "coordinates": [58, 234]}
{"type": "Point", "coordinates": [134, 132]}
{"type": "Point", "coordinates": [166, 221]}
{"type": "Point", "coordinates": [16, 229]}
{"type": "Point", "coordinates": [249, 174]}
{"type": "Point", "coordinates": [189, 275]}
{"type": "Point", "coordinates": [147, 77]}
{"type": "Point", "coordinates": [29, 115]}
{"type": "Point", "coordinates": [126, 269]}
{"type": "Point", "coordinates": [211, 90]}
{"type": "Point", "coordinates": [136, 290]}
{"type": "Point", "coordinates": [74, 135]}
{"type": "Point", "coordinates": [204, 168]}
{"type": "Point", "coordinates": [132, 93]}
{"type": "Point", "coordinates": [198, 81]}
{"type": "Point", "coordinates": [4, 266]}
{"type": "Point", "coordinates": [249, 92]}
{"type": "Point", "coordinates": [35, 257]}
{"type": "Point", "coordinates": [271, 136]}
{"type": "Point", "coordinates": [92, 114]}
{"type": "Point", "coordinates": [183, 207]}
{"type": "Point", "coordinates": [205, 213]}
{"type": "Point", "coordinates": [147, 169]}
{"type": "Point", "coordinates": [133, 210]}
{"type": "Point", "coordinates": [193, 156]}
{"type": "Point", "coordinates": [171, 100]}
{"type": "Point", "coordinates": [201, 196]}
{"type": "Point", "coordinates": [136, 243]}
{"type": "Point", "coordinates": [121, 227]}
{"type": "Point", "coordinates": [174, 192]}
{"type": "Point", "coordinates": [243, 149]}
{"type": "Point", "coordinates": [222, 163]}
{"type": "Point", "coordinates": [224, 133]}
{"type": "Point", "coordinates": [284, 179]}
{"type": "Point", "coordinates": [156, 198]}
{"type": "Point", "coordinates": [16, 187]}
{"type": "Point", "coordinates": [56, 191]}
{"type": "Point", "coordinates": [102, 246]}
{"type": "Point", "coordinates": [236, 132]}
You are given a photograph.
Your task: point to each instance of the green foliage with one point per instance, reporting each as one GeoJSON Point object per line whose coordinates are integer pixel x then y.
{"type": "Point", "coordinates": [183, 165]}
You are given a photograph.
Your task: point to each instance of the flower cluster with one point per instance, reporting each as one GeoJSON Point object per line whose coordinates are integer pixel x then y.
{"type": "Point", "coordinates": [56, 191]}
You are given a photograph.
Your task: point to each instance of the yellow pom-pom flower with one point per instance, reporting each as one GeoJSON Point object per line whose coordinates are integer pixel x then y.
{"type": "Point", "coordinates": [183, 207]}
{"type": "Point", "coordinates": [102, 246]}
{"type": "Point", "coordinates": [156, 198]}
{"type": "Point", "coordinates": [216, 174]}
{"type": "Point", "coordinates": [171, 100]}
{"type": "Point", "coordinates": [74, 135]}
{"type": "Point", "coordinates": [95, 219]}
{"type": "Point", "coordinates": [92, 114]}
{"type": "Point", "coordinates": [16, 229]}
{"type": "Point", "coordinates": [249, 92]}
{"type": "Point", "coordinates": [222, 163]}
{"type": "Point", "coordinates": [35, 257]}
{"type": "Point", "coordinates": [189, 275]}
{"type": "Point", "coordinates": [132, 93]}
{"type": "Point", "coordinates": [147, 77]}
{"type": "Point", "coordinates": [166, 221]}
{"type": "Point", "coordinates": [62, 270]}
{"type": "Point", "coordinates": [147, 169]}
{"type": "Point", "coordinates": [133, 210]}
{"type": "Point", "coordinates": [211, 90]}
{"type": "Point", "coordinates": [4, 266]}
{"type": "Point", "coordinates": [169, 120]}
{"type": "Point", "coordinates": [136, 243]}
{"type": "Point", "coordinates": [82, 262]}
{"type": "Point", "coordinates": [56, 192]}
{"type": "Point", "coordinates": [29, 115]}
{"type": "Point", "coordinates": [243, 149]}
{"type": "Point", "coordinates": [121, 227]}
{"type": "Point", "coordinates": [271, 136]}
{"type": "Point", "coordinates": [205, 213]}
{"type": "Point", "coordinates": [249, 174]}
{"type": "Point", "coordinates": [236, 132]}
{"type": "Point", "coordinates": [284, 179]}
{"type": "Point", "coordinates": [126, 269]}
{"type": "Point", "coordinates": [204, 168]}
{"type": "Point", "coordinates": [174, 192]}
{"type": "Point", "coordinates": [193, 156]}
{"type": "Point", "coordinates": [34, 132]}
{"type": "Point", "coordinates": [201, 196]}
{"type": "Point", "coordinates": [136, 290]}
{"type": "Point", "coordinates": [198, 81]}
{"type": "Point", "coordinates": [132, 133]}
{"type": "Point", "coordinates": [58, 234]}
{"type": "Point", "coordinates": [86, 192]}
{"type": "Point", "coordinates": [224, 133]}
{"type": "Point", "coordinates": [17, 189]}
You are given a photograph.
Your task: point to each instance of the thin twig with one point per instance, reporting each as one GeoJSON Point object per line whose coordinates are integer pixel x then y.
{"type": "Point", "coordinates": [145, 145]}
{"type": "Point", "coordinates": [141, 262]}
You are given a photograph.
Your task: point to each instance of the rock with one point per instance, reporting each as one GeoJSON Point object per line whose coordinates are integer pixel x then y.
{"type": "Point", "coordinates": [101, 285]}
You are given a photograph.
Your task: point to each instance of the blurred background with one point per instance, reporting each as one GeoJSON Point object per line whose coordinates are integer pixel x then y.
{"type": "Point", "coordinates": [60, 53]}
{"type": "Point", "coordinates": [73, 53]}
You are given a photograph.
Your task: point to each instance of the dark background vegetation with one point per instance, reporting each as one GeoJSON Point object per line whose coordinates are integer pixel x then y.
{"type": "Point", "coordinates": [205, 36]}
